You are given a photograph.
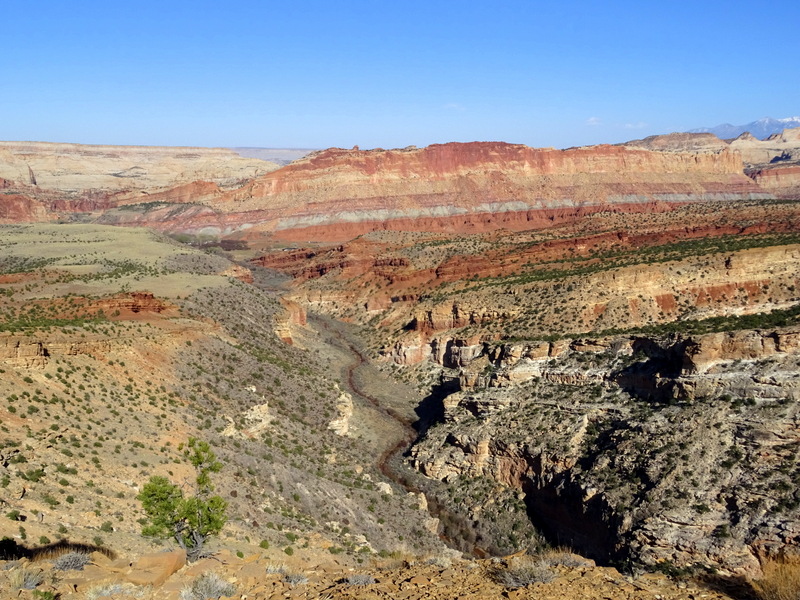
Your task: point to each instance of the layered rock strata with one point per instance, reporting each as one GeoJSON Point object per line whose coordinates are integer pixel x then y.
{"type": "Point", "coordinates": [660, 450]}
{"type": "Point", "coordinates": [480, 186]}
{"type": "Point", "coordinates": [773, 163]}
{"type": "Point", "coordinates": [339, 194]}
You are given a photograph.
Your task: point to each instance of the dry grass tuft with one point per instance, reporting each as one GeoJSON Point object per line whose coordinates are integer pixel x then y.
{"type": "Point", "coordinates": [521, 572]}
{"type": "Point", "coordinates": [207, 585]}
{"type": "Point", "coordinates": [72, 561]}
{"type": "Point", "coordinates": [360, 579]}
{"type": "Point", "coordinates": [116, 590]}
{"type": "Point", "coordinates": [26, 579]}
{"type": "Point", "coordinates": [560, 557]}
{"type": "Point", "coordinates": [781, 580]}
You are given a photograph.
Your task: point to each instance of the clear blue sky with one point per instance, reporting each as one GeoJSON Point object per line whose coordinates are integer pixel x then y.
{"type": "Point", "coordinates": [390, 73]}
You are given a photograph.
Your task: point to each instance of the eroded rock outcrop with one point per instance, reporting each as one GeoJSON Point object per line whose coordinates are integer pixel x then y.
{"type": "Point", "coordinates": [675, 449]}
{"type": "Point", "coordinates": [31, 352]}
{"type": "Point", "coordinates": [344, 412]}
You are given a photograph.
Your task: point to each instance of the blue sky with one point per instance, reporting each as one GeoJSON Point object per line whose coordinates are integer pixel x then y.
{"type": "Point", "coordinates": [390, 73]}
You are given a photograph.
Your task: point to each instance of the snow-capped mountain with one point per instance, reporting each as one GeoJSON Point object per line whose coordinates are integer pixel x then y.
{"type": "Point", "coordinates": [761, 129]}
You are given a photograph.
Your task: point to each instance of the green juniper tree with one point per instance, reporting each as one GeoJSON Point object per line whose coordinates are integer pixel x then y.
{"type": "Point", "coordinates": [189, 521]}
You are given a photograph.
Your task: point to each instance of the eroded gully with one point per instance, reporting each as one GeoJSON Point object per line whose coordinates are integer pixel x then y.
{"type": "Point", "coordinates": [361, 380]}
{"type": "Point", "coordinates": [400, 411]}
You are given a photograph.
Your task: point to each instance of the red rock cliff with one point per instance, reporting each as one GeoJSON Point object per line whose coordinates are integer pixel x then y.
{"type": "Point", "coordinates": [477, 186]}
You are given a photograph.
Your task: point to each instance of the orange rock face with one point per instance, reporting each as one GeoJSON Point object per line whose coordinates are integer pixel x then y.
{"type": "Point", "coordinates": [133, 303]}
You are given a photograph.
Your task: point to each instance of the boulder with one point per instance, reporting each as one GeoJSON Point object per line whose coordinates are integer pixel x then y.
{"type": "Point", "coordinates": [155, 569]}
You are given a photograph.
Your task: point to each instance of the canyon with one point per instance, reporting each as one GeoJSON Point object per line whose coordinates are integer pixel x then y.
{"type": "Point", "coordinates": [483, 345]}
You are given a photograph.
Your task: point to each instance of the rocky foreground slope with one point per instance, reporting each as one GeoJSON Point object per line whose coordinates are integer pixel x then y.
{"type": "Point", "coordinates": [262, 576]}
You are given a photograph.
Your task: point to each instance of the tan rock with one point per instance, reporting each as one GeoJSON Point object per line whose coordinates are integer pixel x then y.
{"type": "Point", "coordinates": [239, 272]}
{"type": "Point", "coordinates": [344, 409]}
{"type": "Point", "coordinates": [201, 566]}
{"type": "Point", "coordinates": [155, 569]}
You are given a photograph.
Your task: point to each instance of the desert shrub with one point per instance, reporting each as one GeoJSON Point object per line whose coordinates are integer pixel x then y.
{"type": "Point", "coordinates": [562, 558]}
{"type": "Point", "coordinates": [294, 579]}
{"type": "Point", "coordinates": [208, 585]}
{"type": "Point", "coordinates": [25, 579]}
{"type": "Point", "coordinates": [522, 572]}
{"type": "Point", "coordinates": [443, 562]}
{"type": "Point", "coordinates": [276, 568]}
{"type": "Point", "coordinates": [72, 561]}
{"type": "Point", "coordinates": [360, 579]}
{"type": "Point", "coordinates": [116, 590]}
{"type": "Point", "coordinates": [781, 581]}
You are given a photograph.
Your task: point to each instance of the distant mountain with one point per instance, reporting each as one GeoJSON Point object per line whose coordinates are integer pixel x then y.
{"type": "Point", "coordinates": [760, 129]}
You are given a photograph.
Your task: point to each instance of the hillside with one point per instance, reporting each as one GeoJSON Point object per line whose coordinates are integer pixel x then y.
{"type": "Point", "coordinates": [76, 168]}
{"type": "Point", "coordinates": [116, 346]}
{"type": "Point", "coordinates": [43, 181]}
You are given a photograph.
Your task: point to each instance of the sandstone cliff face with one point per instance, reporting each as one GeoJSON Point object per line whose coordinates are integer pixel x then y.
{"type": "Point", "coordinates": [337, 194]}
{"type": "Point", "coordinates": [772, 163]}
{"type": "Point", "coordinates": [743, 282]}
{"type": "Point", "coordinates": [673, 449]}
{"type": "Point", "coordinates": [783, 180]}
{"type": "Point", "coordinates": [19, 208]}
{"type": "Point", "coordinates": [294, 316]}
{"type": "Point", "coordinates": [27, 352]}
{"type": "Point", "coordinates": [36, 351]}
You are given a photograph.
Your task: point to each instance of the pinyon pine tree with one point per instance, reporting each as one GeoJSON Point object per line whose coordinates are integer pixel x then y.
{"type": "Point", "coordinates": [189, 521]}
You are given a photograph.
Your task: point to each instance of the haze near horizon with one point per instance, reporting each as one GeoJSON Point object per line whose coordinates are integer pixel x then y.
{"type": "Point", "coordinates": [316, 74]}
